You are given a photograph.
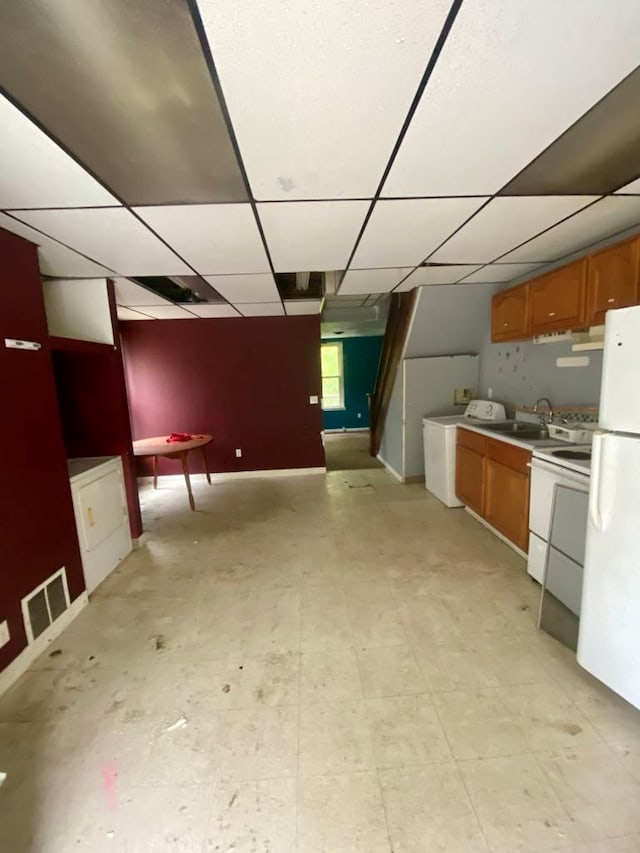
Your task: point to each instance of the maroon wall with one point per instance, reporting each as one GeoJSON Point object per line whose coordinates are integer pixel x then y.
{"type": "Point", "coordinates": [245, 381]}
{"type": "Point", "coordinates": [37, 527]}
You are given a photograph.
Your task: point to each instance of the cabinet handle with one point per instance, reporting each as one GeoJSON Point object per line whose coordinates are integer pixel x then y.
{"type": "Point", "coordinates": [505, 324]}
{"type": "Point", "coordinates": [551, 314]}
{"type": "Point", "coordinates": [612, 299]}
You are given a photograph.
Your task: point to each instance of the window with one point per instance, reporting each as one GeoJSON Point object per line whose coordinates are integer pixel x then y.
{"type": "Point", "coordinates": [332, 376]}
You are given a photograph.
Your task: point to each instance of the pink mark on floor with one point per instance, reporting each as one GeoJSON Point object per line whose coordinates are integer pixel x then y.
{"type": "Point", "coordinates": [109, 784]}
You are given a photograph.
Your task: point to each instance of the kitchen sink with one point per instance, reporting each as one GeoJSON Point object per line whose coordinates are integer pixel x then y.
{"type": "Point", "coordinates": [520, 429]}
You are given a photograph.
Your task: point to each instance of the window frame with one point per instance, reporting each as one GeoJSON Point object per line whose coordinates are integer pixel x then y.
{"type": "Point", "coordinates": [340, 377]}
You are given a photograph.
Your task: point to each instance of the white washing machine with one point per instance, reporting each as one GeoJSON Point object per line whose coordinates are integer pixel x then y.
{"type": "Point", "coordinates": [439, 435]}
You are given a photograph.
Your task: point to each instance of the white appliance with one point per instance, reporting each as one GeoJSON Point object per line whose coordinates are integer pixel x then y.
{"type": "Point", "coordinates": [549, 470]}
{"type": "Point", "coordinates": [609, 638]}
{"type": "Point", "coordinates": [102, 518]}
{"type": "Point", "coordinates": [439, 439]}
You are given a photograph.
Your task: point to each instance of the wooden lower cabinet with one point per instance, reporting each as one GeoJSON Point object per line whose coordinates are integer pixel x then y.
{"type": "Point", "coordinates": [492, 479]}
{"type": "Point", "coordinates": [507, 502]}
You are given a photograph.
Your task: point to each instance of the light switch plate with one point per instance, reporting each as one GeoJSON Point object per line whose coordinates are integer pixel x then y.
{"type": "Point", "coordinates": [4, 633]}
{"type": "Point", "coordinates": [313, 399]}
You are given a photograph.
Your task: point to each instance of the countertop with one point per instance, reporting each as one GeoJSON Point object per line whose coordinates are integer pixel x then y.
{"type": "Point", "coordinates": [81, 464]}
{"type": "Point", "coordinates": [519, 442]}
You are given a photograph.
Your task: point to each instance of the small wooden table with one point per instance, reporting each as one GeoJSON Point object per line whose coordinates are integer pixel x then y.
{"type": "Point", "coordinates": [158, 446]}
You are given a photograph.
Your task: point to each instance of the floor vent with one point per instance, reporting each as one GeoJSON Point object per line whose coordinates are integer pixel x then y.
{"type": "Point", "coordinates": [45, 604]}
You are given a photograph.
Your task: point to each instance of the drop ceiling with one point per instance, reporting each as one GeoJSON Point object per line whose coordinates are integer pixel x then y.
{"type": "Point", "coordinates": [403, 144]}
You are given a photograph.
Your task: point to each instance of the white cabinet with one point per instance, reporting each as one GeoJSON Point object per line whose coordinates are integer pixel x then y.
{"type": "Point", "coordinates": [102, 519]}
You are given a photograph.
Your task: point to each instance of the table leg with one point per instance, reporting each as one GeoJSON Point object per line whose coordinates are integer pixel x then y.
{"type": "Point", "coordinates": [206, 469]}
{"type": "Point", "coordinates": [185, 468]}
{"type": "Point", "coordinates": [155, 472]}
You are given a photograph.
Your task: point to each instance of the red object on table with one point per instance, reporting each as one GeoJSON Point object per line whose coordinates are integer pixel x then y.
{"type": "Point", "coordinates": [179, 436]}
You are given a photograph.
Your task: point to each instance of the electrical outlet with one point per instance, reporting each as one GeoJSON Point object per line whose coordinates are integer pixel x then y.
{"type": "Point", "coordinates": [238, 452]}
{"type": "Point", "coordinates": [313, 399]}
{"type": "Point", "coordinates": [359, 415]}
{"type": "Point", "coordinates": [4, 633]}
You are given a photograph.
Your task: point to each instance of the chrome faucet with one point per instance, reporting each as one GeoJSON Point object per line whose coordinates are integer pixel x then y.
{"type": "Point", "coordinates": [549, 414]}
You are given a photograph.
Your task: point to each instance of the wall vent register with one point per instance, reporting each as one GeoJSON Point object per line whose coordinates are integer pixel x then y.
{"type": "Point", "coordinates": [45, 604]}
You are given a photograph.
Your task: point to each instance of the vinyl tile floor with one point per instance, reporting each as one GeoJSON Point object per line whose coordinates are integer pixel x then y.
{"type": "Point", "coordinates": [315, 665]}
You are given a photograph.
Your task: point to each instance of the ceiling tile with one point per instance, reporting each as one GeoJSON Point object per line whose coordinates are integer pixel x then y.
{"type": "Point", "coordinates": [261, 309]}
{"type": "Point", "coordinates": [213, 238]}
{"type": "Point", "coordinates": [125, 313]}
{"type": "Point", "coordinates": [166, 312]}
{"type": "Point", "coordinates": [404, 232]}
{"type": "Point", "coordinates": [306, 236]}
{"type": "Point", "coordinates": [500, 272]}
{"type": "Point", "coordinates": [112, 236]}
{"type": "Point", "coordinates": [54, 259]}
{"type": "Point", "coordinates": [316, 111]}
{"type": "Point", "coordinates": [503, 224]}
{"type": "Point", "coordinates": [603, 219]}
{"type": "Point", "coordinates": [633, 187]}
{"type": "Point", "coordinates": [130, 293]}
{"type": "Point", "coordinates": [245, 288]}
{"type": "Point", "coordinates": [217, 311]}
{"type": "Point", "coordinates": [302, 306]}
{"type": "Point", "coordinates": [492, 105]}
{"type": "Point", "coordinates": [437, 275]}
{"type": "Point", "coordinates": [372, 280]}
{"type": "Point", "coordinates": [35, 172]}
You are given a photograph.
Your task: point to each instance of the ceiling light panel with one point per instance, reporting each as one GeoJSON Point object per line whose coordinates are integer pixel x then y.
{"type": "Point", "coordinates": [35, 172]}
{"type": "Point", "coordinates": [262, 309]}
{"type": "Point", "coordinates": [126, 88]}
{"type": "Point", "coordinates": [603, 219]}
{"type": "Point", "coordinates": [511, 78]}
{"type": "Point", "coordinates": [372, 280]}
{"type": "Point", "coordinates": [302, 306]}
{"type": "Point", "coordinates": [504, 223]}
{"type": "Point", "coordinates": [214, 311]}
{"type": "Point", "coordinates": [125, 313]}
{"type": "Point", "coordinates": [166, 312]}
{"type": "Point", "coordinates": [311, 235]}
{"type": "Point", "coordinates": [129, 293]}
{"type": "Point", "coordinates": [111, 236]}
{"type": "Point", "coordinates": [499, 273]}
{"type": "Point", "coordinates": [403, 232]}
{"type": "Point", "coordinates": [54, 259]}
{"type": "Point", "coordinates": [316, 110]}
{"type": "Point", "coordinates": [632, 188]}
{"type": "Point", "coordinates": [213, 238]}
{"type": "Point", "coordinates": [245, 288]}
{"type": "Point", "coordinates": [436, 275]}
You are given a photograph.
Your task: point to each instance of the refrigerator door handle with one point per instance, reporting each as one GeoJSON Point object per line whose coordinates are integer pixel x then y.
{"type": "Point", "coordinates": [595, 518]}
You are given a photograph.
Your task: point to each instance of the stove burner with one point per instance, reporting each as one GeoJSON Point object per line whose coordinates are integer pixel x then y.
{"type": "Point", "coordinates": [571, 454]}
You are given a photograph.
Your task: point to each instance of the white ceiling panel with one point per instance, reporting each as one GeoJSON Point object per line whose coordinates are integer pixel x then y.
{"type": "Point", "coordinates": [166, 312]}
{"type": "Point", "coordinates": [216, 311]}
{"type": "Point", "coordinates": [112, 236]}
{"type": "Point", "coordinates": [262, 309]}
{"type": "Point", "coordinates": [404, 232]}
{"type": "Point", "coordinates": [437, 275]}
{"type": "Point", "coordinates": [35, 172]}
{"type": "Point", "coordinates": [503, 224]}
{"type": "Point", "coordinates": [213, 238]}
{"type": "Point", "coordinates": [314, 105]}
{"type": "Point", "coordinates": [125, 313]}
{"type": "Point", "coordinates": [245, 288]}
{"type": "Point", "coordinates": [632, 188]}
{"type": "Point", "coordinates": [500, 272]}
{"type": "Point", "coordinates": [608, 216]}
{"type": "Point", "coordinates": [54, 259]}
{"type": "Point", "coordinates": [129, 293]}
{"type": "Point", "coordinates": [372, 280]}
{"type": "Point", "coordinates": [302, 306]}
{"type": "Point", "coordinates": [306, 236]}
{"type": "Point", "coordinates": [511, 78]}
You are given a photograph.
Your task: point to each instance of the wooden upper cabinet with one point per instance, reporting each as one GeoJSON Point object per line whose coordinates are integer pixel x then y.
{"type": "Point", "coordinates": [558, 299]}
{"type": "Point", "coordinates": [612, 280]}
{"type": "Point", "coordinates": [510, 314]}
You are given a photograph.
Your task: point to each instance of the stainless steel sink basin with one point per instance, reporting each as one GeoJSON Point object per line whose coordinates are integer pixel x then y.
{"type": "Point", "coordinates": [520, 429]}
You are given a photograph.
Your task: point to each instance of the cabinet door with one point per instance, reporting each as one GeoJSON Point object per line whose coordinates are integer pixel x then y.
{"type": "Point", "coordinates": [558, 299]}
{"type": "Point", "coordinates": [507, 502]}
{"type": "Point", "coordinates": [470, 478]}
{"type": "Point", "coordinates": [510, 314]}
{"type": "Point", "coordinates": [612, 280]}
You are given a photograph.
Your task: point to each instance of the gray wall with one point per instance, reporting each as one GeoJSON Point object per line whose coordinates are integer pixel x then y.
{"type": "Point", "coordinates": [391, 441]}
{"type": "Point", "coordinates": [520, 373]}
{"type": "Point", "coordinates": [449, 319]}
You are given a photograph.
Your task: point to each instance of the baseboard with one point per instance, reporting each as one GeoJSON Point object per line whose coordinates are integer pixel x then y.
{"type": "Point", "coordinates": [140, 541]}
{"type": "Point", "coordinates": [236, 475]}
{"type": "Point", "coordinates": [496, 533]}
{"type": "Point", "coordinates": [346, 429]}
{"type": "Point", "coordinates": [391, 470]}
{"type": "Point", "coordinates": [28, 655]}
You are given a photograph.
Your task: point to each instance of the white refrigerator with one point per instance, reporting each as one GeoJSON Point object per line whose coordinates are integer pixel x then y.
{"type": "Point", "coordinates": [609, 634]}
